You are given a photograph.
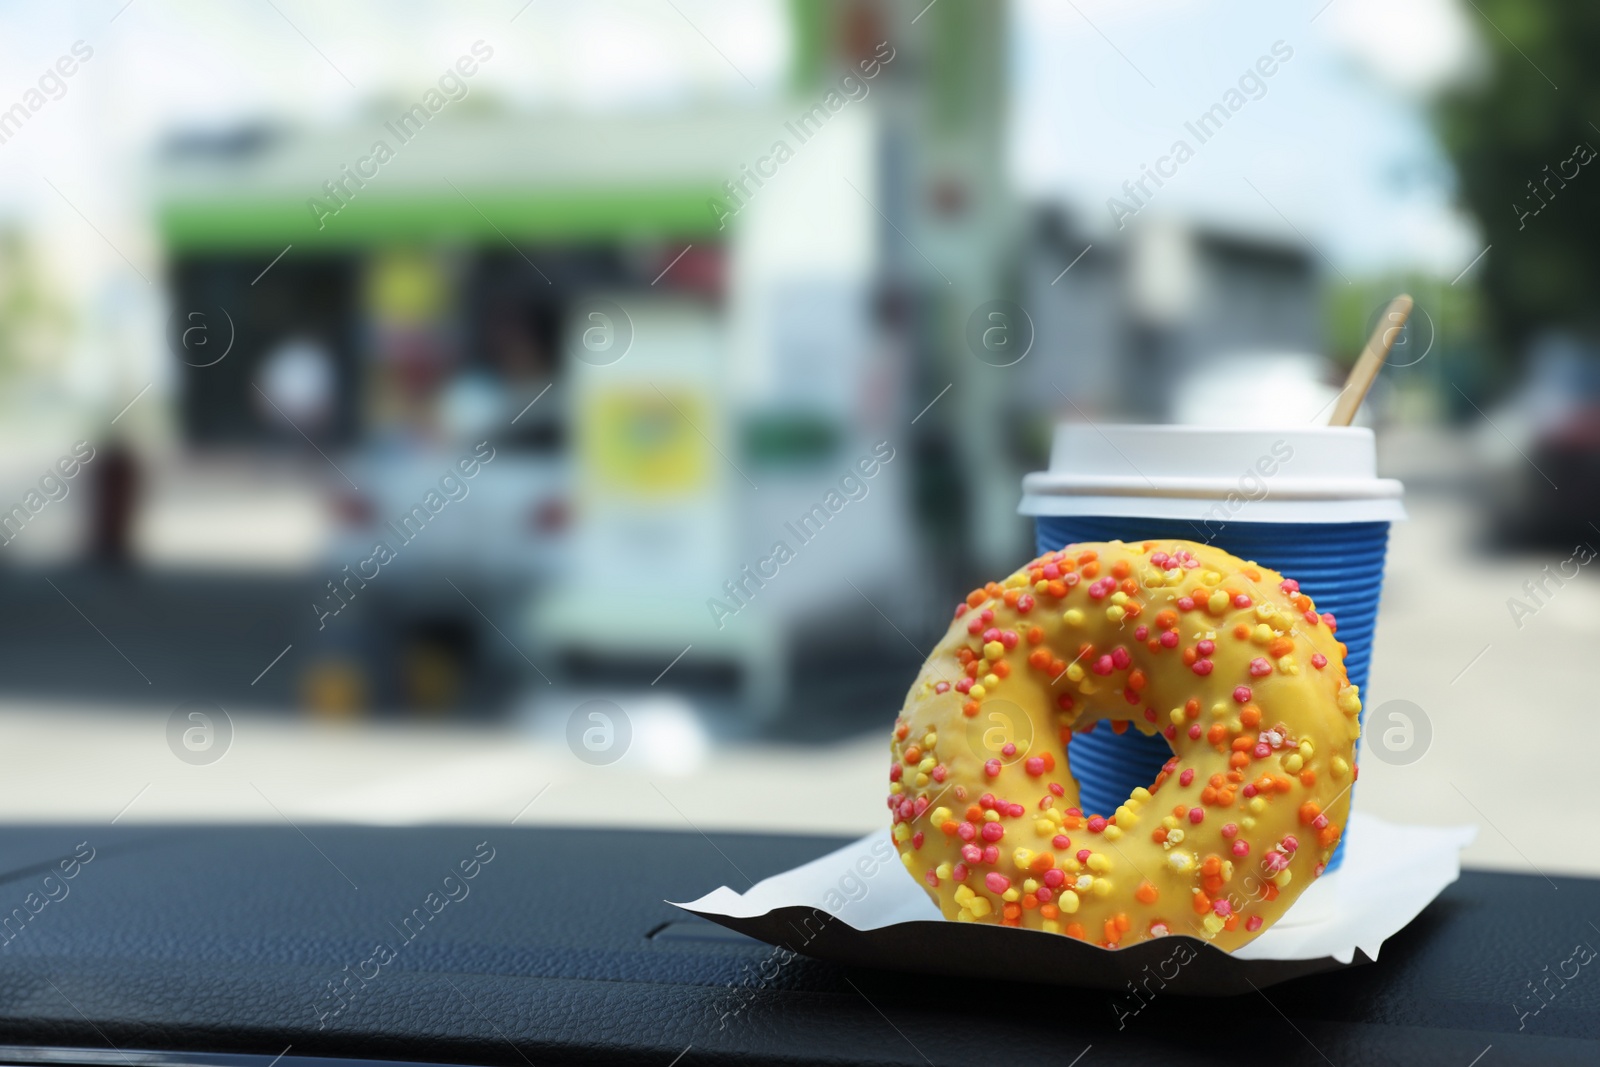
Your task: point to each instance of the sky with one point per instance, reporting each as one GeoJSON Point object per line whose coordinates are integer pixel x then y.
{"type": "Point", "coordinates": [1337, 147]}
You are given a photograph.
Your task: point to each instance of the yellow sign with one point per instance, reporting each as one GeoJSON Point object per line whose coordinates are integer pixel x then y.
{"type": "Point", "coordinates": [647, 442]}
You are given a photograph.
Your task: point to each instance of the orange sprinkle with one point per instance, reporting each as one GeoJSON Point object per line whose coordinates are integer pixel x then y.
{"type": "Point", "coordinates": [901, 730]}
{"type": "Point", "coordinates": [1075, 930]}
{"type": "Point", "coordinates": [1239, 759]}
{"type": "Point", "coordinates": [1133, 609]}
{"type": "Point", "coordinates": [1039, 659]}
{"type": "Point", "coordinates": [1035, 634]}
{"type": "Point", "coordinates": [1191, 708]}
{"type": "Point", "coordinates": [1057, 588]}
{"type": "Point", "coordinates": [1049, 911]}
{"type": "Point", "coordinates": [1129, 586]}
{"type": "Point", "coordinates": [974, 813]}
{"type": "Point", "coordinates": [1231, 922]}
{"type": "Point", "coordinates": [1190, 655]}
{"type": "Point", "coordinates": [1252, 574]}
{"type": "Point", "coordinates": [913, 754]}
{"type": "Point", "coordinates": [1002, 669]}
{"type": "Point", "coordinates": [976, 597]}
{"type": "Point", "coordinates": [949, 827]}
{"type": "Point", "coordinates": [1030, 901]}
{"type": "Point", "coordinates": [1280, 647]}
{"type": "Point", "coordinates": [1043, 861]}
{"type": "Point", "coordinates": [1166, 619]}
{"type": "Point", "coordinates": [1012, 911]}
{"type": "Point", "coordinates": [1146, 893]}
{"type": "Point", "coordinates": [1088, 555]}
{"type": "Point", "coordinates": [1309, 811]}
{"type": "Point", "coordinates": [1250, 716]}
{"type": "Point", "coordinates": [970, 709]}
{"type": "Point", "coordinates": [1113, 935]}
{"type": "Point", "coordinates": [1091, 569]}
{"type": "Point", "coordinates": [1011, 597]}
{"type": "Point", "coordinates": [1137, 680]}
{"type": "Point", "coordinates": [1308, 777]}
{"type": "Point", "coordinates": [1159, 835]}
{"type": "Point", "coordinates": [1242, 744]}
{"type": "Point", "coordinates": [1217, 734]}
{"type": "Point", "coordinates": [1241, 631]}
{"type": "Point", "coordinates": [1120, 569]}
{"type": "Point", "coordinates": [1119, 726]}
{"type": "Point", "coordinates": [1202, 903]}
{"type": "Point", "coordinates": [1124, 924]}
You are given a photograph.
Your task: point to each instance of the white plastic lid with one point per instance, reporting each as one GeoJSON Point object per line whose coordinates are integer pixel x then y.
{"type": "Point", "coordinates": [1311, 474]}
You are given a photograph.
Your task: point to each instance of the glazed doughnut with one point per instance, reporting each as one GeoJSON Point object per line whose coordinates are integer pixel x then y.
{"type": "Point", "coordinates": [1227, 659]}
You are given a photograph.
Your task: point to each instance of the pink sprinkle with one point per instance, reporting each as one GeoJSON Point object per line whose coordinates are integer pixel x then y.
{"type": "Point", "coordinates": [991, 854]}
{"type": "Point", "coordinates": [1320, 822]}
{"type": "Point", "coordinates": [992, 768]}
{"type": "Point", "coordinates": [1312, 618]}
{"type": "Point", "coordinates": [917, 839]}
{"type": "Point", "coordinates": [1102, 665]}
{"type": "Point", "coordinates": [1202, 667]}
{"type": "Point", "coordinates": [1274, 862]}
{"type": "Point", "coordinates": [1159, 559]}
{"type": "Point", "coordinates": [1120, 658]}
{"type": "Point", "coordinates": [1053, 878]}
{"type": "Point", "coordinates": [1187, 776]}
{"type": "Point", "coordinates": [1241, 849]}
{"type": "Point", "coordinates": [1097, 823]}
{"type": "Point", "coordinates": [1071, 578]}
{"type": "Point", "coordinates": [1242, 601]}
{"type": "Point", "coordinates": [1044, 894]}
{"type": "Point", "coordinates": [966, 831]}
{"type": "Point", "coordinates": [964, 685]}
{"type": "Point", "coordinates": [1262, 750]}
{"type": "Point", "coordinates": [1259, 667]}
{"type": "Point", "coordinates": [1222, 908]}
{"type": "Point", "coordinates": [1141, 633]}
{"type": "Point", "coordinates": [1205, 648]}
{"type": "Point", "coordinates": [986, 802]}
{"type": "Point", "coordinates": [959, 872]}
{"type": "Point", "coordinates": [895, 771]}
{"type": "Point", "coordinates": [992, 832]}
{"type": "Point", "coordinates": [1249, 790]}
{"type": "Point", "coordinates": [1230, 829]}
{"type": "Point", "coordinates": [1015, 811]}
{"type": "Point", "coordinates": [1289, 586]}
{"type": "Point", "coordinates": [941, 687]}
{"type": "Point", "coordinates": [988, 615]}
{"type": "Point", "coordinates": [1290, 843]}
{"type": "Point", "coordinates": [1253, 923]}
{"type": "Point", "coordinates": [1083, 855]}
{"type": "Point", "coordinates": [939, 773]}
{"type": "Point", "coordinates": [996, 882]}
{"type": "Point", "coordinates": [1149, 713]}
{"type": "Point", "coordinates": [1169, 639]}
{"type": "Point", "coordinates": [1194, 732]}
{"type": "Point", "coordinates": [1132, 697]}
{"type": "Point", "coordinates": [961, 609]}
{"type": "Point", "coordinates": [1186, 603]}
{"type": "Point", "coordinates": [971, 854]}
{"type": "Point", "coordinates": [1024, 604]}
{"type": "Point", "coordinates": [1333, 624]}
{"type": "Point", "coordinates": [991, 634]}
{"type": "Point", "coordinates": [932, 879]}
{"type": "Point", "coordinates": [1008, 638]}
{"type": "Point", "coordinates": [1034, 765]}
{"type": "Point", "coordinates": [1318, 660]}
{"type": "Point", "coordinates": [1051, 572]}
{"type": "Point", "coordinates": [1196, 815]}
{"type": "Point", "coordinates": [975, 627]}
{"type": "Point", "coordinates": [1076, 813]}
{"type": "Point", "coordinates": [1170, 733]}
{"type": "Point", "coordinates": [1008, 750]}
{"type": "Point", "coordinates": [1056, 790]}
{"type": "Point", "coordinates": [1241, 694]}
{"type": "Point", "coordinates": [1061, 841]}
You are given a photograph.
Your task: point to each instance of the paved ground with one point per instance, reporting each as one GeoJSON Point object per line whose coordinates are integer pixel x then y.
{"type": "Point", "coordinates": [1511, 711]}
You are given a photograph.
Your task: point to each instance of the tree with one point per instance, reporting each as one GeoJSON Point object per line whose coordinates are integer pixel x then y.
{"type": "Point", "coordinates": [1528, 156]}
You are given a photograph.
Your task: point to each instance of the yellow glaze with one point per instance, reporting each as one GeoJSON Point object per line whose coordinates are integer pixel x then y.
{"type": "Point", "coordinates": [1226, 658]}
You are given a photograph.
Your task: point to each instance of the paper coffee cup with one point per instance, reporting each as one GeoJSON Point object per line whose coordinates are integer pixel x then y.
{"type": "Point", "coordinates": [1307, 503]}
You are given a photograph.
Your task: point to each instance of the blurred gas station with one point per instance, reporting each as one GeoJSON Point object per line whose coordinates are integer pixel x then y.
{"type": "Point", "coordinates": [480, 361]}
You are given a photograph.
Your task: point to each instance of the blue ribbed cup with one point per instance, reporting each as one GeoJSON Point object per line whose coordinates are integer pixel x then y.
{"type": "Point", "coordinates": [1338, 565]}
